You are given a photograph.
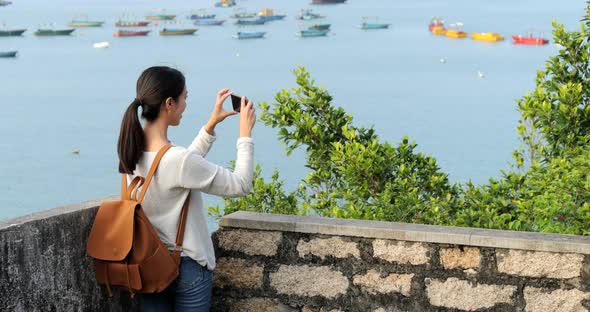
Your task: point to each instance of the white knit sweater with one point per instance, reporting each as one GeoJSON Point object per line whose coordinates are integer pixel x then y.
{"type": "Point", "coordinates": [183, 169]}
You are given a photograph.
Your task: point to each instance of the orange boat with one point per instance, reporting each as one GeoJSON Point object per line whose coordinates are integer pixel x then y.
{"type": "Point", "coordinates": [438, 30]}
{"type": "Point", "coordinates": [131, 33]}
{"type": "Point", "coordinates": [455, 33]}
{"type": "Point", "coordinates": [529, 40]}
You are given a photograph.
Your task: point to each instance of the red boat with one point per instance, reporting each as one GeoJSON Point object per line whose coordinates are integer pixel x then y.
{"type": "Point", "coordinates": [131, 24]}
{"type": "Point", "coordinates": [130, 33]}
{"type": "Point", "coordinates": [529, 40]}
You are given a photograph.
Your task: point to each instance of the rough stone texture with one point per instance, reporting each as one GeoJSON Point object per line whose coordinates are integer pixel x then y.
{"type": "Point", "coordinates": [539, 264]}
{"type": "Point", "coordinates": [373, 283]}
{"type": "Point", "coordinates": [542, 300]}
{"type": "Point", "coordinates": [254, 304]}
{"type": "Point", "coordinates": [309, 281]}
{"type": "Point", "coordinates": [453, 258]}
{"type": "Point", "coordinates": [253, 243]}
{"type": "Point", "coordinates": [44, 266]}
{"type": "Point", "coordinates": [238, 273]}
{"type": "Point", "coordinates": [461, 294]}
{"type": "Point", "coordinates": [323, 247]}
{"type": "Point", "coordinates": [401, 252]}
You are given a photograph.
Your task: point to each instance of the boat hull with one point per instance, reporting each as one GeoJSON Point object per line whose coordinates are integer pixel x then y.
{"type": "Point", "coordinates": [127, 33]}
{"type": "Point", "coordinates": [250, 22]}
{"type": "Point", "coordinates": [529, 40]}
{"type": "Point", "coordinates": [12, 33]}
{"type": "Point", "coordinates": [131, 24]}
{"type": "Point", "coordinates": [490, 37]}
{"type": "Point", "coordinates": [201, 16]}
{"type": "Point", "coordinates": [320, 27]}
{"type": "Point", "coordinates": [179, 32]}
{"type": "Point", "coordinates": [209, 22]}
{"type": "Point", "coordinates": [272, 18]}
{"type": "Point", "coordinates": [255, 35]}
{"type": "Point", "coordinates": [51, 32]}
{"type": "Point", "coordinates": [8, 54]}
{"type": "Point", "coordinates": [451, 33]}
{"type": "Point", "coordinates": [313, 33]}
{"type": "Point", "coordinates": [327, 1]}
{"type": "Point", "coordinates": [369, 26]}
{"type": "Point", "coordinates": [85, 24]}
{"type": "Point", "coordinates": [160, 17]}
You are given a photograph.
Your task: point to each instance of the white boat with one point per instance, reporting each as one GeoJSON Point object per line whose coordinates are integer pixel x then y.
{"type": "Point", "coordinates": [101, 45]}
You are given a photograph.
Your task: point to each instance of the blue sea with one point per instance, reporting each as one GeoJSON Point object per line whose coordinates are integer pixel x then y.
{"type": "Point", "coordinates": [60, 94]}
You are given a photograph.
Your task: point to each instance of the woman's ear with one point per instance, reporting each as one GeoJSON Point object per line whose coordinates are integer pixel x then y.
{"type": "Point", "coordinates": [169, 103]}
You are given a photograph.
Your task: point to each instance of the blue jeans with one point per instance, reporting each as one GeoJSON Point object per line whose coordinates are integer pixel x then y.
{"type": "Point", "coordinates": [191, 291]}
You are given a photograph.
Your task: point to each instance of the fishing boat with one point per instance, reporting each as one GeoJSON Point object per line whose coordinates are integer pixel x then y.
{"type": "Point", "coordinates": [11, 32]}
{"type": "Point", "coordinates": [130, 33]}
{"type": "Point", "coordinates": [530, 40]}
{"type": "Point", "coordinates": [246, 22]}
{"type": "Point", "coordinates": [307, 15]}
{"type": "Point", "coordinates": [81, 23]}
{"type": "Point", "coordinates": [327, 1]}
{"type": "Point", "coordinates": [177, 32]}
{"type": "Point", "coordinates": [4, 3]}
{"type": "Point", "coordinates": [312, 33]}
{"type": "Point", "coordinates": [249, 35]}
{"type": "Point", "coordinates": [8, 53]}
{"type": "Point", "coordinates": [455, 33]}
{"type": "Point", "coordinates": [160, 17]}
{"type": "Point", "coordinates": [438, 30]}
{"type": "Point", "coordinates": [487, 36]}
{"type": "Point", "coordinates": [269, 15]}
{"type": "Point", "coordinates": [241, 13]}
{"type": "Point", "coordinates": [201, 14]}
{"type": "Point", "coordinates": [225, 3]}
{"type": "Point", "coordinates": [209, 22]}
{"type": "Point", "coordinates": [436, 23]}
{"type": "Point", "coordinates": [54, 32]}
{"type": "Point", "coordinates": [320, 27]}
{"type": "Point", "coordinates": [122, 23]}
{"type": "Point", "coordinates": [368, 24]}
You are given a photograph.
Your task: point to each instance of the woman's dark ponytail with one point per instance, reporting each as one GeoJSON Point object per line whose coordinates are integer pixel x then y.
{"type": "Point", "coordinates": [131, 139]}
{"type": "Point", "coordinates": [154, 86]}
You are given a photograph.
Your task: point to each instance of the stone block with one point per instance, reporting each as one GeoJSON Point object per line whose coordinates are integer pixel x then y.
{"type": "Point", "coordinates": [309, 281]}
{"type": "Point", "coordinates": [238, 273]}
{"type": "Point", "coordinates": [401, 252]}
{"type": "Point", "coordinates": [453, 258]}
{"type": "Point", "coordinates": [373, 283]}
{"type": "Point", "coordinates": [253, 243]}
{"type": "Point", "coordinates": [254, 304]}
{"type": "Point", "coordinates": [460, 294]}
{"type": "Point", "coordinates": [539, 264]}
{"type": "Point", "coordinates": [560, 300]}
{"type": "Point", "coordinates": [333, 246]}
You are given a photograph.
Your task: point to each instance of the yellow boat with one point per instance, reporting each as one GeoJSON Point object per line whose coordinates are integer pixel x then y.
{"type": "Point", "coordinates": [486, 36]}
{"type": "Point", "coordinates": [438, 30]}
{"type": "Point", "coordinates": [455, 33]}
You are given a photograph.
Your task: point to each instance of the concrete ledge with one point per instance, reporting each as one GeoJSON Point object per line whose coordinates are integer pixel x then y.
{"type": "Point", "coordinates": [409, 232]}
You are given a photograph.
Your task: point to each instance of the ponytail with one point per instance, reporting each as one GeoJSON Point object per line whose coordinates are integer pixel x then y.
{"type": "Point", "coordinates": [131, 139]}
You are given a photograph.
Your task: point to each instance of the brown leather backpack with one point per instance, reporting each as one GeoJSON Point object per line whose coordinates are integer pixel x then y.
{"type": "Point", "coordinates": [127, 250]}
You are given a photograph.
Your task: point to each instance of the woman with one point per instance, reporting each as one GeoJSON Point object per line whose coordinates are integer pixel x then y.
{"type": "Point", "coordinates": [161, 95]}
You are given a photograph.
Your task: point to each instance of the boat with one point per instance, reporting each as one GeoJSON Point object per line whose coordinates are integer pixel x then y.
{"type": "Point", "coordinates": [367, 24]}
{"type": "Point", "coordinates": [160, 17]}
{"type": "Point", "coordinates": [11, 32]}
{"type": "Point", "coordinates": [249, 35]}
{"type": "Point", "coordinates": [487, 36]}
{"type": "Point", "coordinates": [312, 33]}
{"type": "Point", "coordinates": [122, 23]}
{"type": "Point", "coordinates": [241, 13]}
{"type": "Point", "coordinates": [198, 16]}
{"type": "Point", "coordinates": [130, 33]}
{"type": "Point", "coordinates": [455, 33]}
{"type": "Point", "coordinates": [327, 1]}
{"type": "Point", "coordinates": [436, 23]}
{"type": "Point", "coordinates": [54, 32]}
{"type": "Point", "coordinates": [209, 22]}
{"type": "Point", "coordinates": [530, 39]}
{"type": "Point", "coordinates": [307, 15]}
{"type": "Point", "coordinates": [81, 23]}
{"type": "Point", "coordinates": [177, 32]}
{"type": "Point", "coordinates": [8, 53]}
{"type": "Point", "coordinates": [225, 3]}
{"type": "Point", "coordinates": [257, 21]}
{"type": "Point", "coordinates": [5, 3]}
{"type": "Point", "coordinates": [438, 30]}
{"type": "Point", "coordinates": [269, 15]}
{"type": "Point", "coordinates": [320, 27]}
{"type": "Point", "coordinates": [101, 45]}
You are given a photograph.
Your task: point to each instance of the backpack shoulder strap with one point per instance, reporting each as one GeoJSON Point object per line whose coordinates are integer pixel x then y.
{"type": "Point", "coordinates": [152, 171]}
{"type": "Point", "coordinates": [181, 227]}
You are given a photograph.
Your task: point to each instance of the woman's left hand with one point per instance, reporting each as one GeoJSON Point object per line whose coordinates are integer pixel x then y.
{"type": "Point", "coordinates": [219, 113]}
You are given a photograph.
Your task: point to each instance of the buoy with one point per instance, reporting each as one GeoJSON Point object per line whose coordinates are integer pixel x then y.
{"type": "Point", "coordinates": [101, 45]}
{"type": "Point", "coordinates": [480, 74]}
{"type": "Point", "coordinates": [76, 152]}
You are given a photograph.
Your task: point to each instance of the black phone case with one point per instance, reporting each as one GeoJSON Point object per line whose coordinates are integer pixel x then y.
{"type": "Point", "coordinates": [236, 102]}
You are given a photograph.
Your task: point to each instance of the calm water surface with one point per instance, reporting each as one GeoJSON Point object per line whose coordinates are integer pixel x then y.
{"type": "Point", "coordinates": [61, 94]}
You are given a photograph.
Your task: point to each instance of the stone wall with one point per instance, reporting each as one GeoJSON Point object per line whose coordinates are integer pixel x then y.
{"type": "Point", "coordinates": [288, 263]}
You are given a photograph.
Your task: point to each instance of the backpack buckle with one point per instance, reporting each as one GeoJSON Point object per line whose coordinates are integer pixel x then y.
{"type": "Point", "coordinates": [177, 248]}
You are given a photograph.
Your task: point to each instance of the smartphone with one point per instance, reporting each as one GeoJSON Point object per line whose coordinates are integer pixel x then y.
{"type": "Point", "coordinates": [236, 102]}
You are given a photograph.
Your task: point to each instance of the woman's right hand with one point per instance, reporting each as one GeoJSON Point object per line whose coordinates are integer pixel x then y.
{"type": "Point", "coordinates": [247, 118]}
